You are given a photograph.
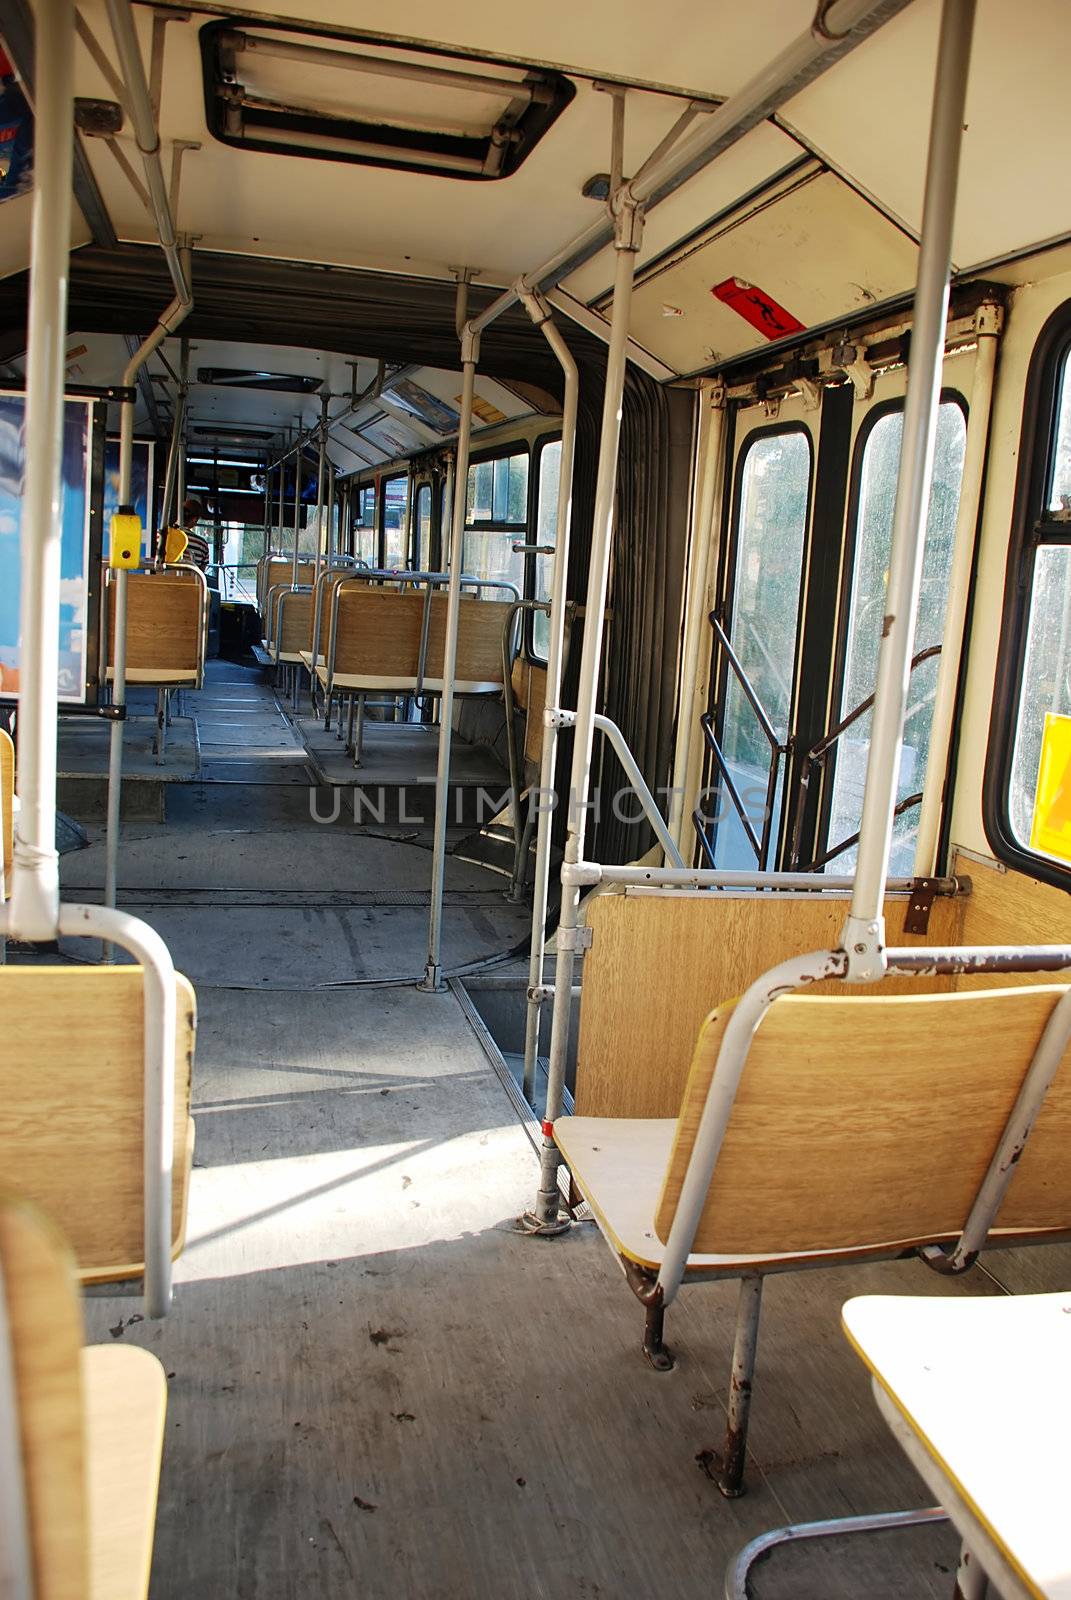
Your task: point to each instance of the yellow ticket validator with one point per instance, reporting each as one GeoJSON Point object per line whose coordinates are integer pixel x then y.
{"type": "Point", "coordinates": [125, 538]}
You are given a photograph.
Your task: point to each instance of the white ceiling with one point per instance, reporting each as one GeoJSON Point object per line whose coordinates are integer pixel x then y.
{"type": "Point", "coordinates": [384, 431]}
{"type": "Point", "coordinates": [867, 117]}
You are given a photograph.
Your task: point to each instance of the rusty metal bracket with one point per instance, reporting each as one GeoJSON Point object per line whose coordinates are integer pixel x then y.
{"type": "Point", "coordinates": [920, 904]}
{"type": "Point", "coordinates": [644, 1285]}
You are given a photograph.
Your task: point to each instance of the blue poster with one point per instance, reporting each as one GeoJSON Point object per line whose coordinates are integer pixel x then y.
{"type": "Point", "coordinates": [74, 557]}
{"type": "Point", "coordinates": [16, 136]}
{"type": "Point", "coordinates": [141, 467]}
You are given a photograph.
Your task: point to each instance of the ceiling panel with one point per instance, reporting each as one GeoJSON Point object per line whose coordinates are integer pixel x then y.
{"type": "Point", "coordinates": [709, 48]}
{"type": "Point", "coordinates": [16, 220]}
{"type": "Point", "coordinates": [818, 251]}
{"type": "Point", "coordinates": [1013, 182]}
{"type": "Point", "coordinates": [338, 213]}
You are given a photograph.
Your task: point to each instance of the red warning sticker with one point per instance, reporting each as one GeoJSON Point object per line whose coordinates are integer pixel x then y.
{"type": "Point", "coordinates": [757, 307]}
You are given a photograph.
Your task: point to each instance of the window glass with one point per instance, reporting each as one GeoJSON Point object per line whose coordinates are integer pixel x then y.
{"type": "Point", "coordinates": [1046, 688]}
{"type": "Point", "coordinates": [497, 495]}
{"type": "Point", "coordinates": [365, 514]}
{"type": "Point", "coordinates": [423, 525]}
{"type": "Point", "coordinates": [481, 483]}
{"type": "Point", "coordinates": [550, 465]}
{"type": "Point", "coordinates": [394, 497]}
{"type": "Point", "coordinates": [771, 525]}
{"type": "Point", "coordinates": [1059, 498]}
{"type": "Point", "coordinates": [873, 545]}
{"type": "Point", "coordinates": [498, 490]}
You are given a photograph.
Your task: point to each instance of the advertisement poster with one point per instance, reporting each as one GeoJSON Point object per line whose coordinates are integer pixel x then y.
{"type": "Point", "coordinates": [141, 470]}
{"type": "Point", "coordinates": [74, 558]}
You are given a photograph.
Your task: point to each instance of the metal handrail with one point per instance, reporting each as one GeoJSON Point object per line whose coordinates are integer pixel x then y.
{"type": "Point", "coordinates": [816, 758]}
{"type": "Point", "coordinates": [778, 748]}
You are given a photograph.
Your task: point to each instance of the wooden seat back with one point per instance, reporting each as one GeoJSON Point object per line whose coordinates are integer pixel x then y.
{"type": "Point", "coordinates": [7, 804]}
{"type": "Point", "coordinates": [657, 962]}
{"type": "Point", "coordinates": [871, 1120]}
{"type": "Point", "coordinates": [329, 582]}
{"type": "Point", "coordinates": [45, 1327]}
{"type": "Point", "coordinates": [479, 640]}
{"type": "Point", "coordinates": [72, 1107]}
{"type": "Point", "coordinates": [165, 627]}
{"type": "Point", "coordinates": [530, 695]}
{"type": "Point", "coordinates": [378, 633]}
{"type": "Point", "coordinates": [292, 625]}
{"type": "Point", "coordinates": [90, 1425]}
{"type": "Point", "coordinates": [280, 569]}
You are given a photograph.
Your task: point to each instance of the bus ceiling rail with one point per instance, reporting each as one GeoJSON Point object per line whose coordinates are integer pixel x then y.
{"type": "Point", "coordinates": [847, 23]}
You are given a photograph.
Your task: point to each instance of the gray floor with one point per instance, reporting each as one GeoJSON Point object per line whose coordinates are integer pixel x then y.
{"type": "Point", "coordinates": [377, 1387]}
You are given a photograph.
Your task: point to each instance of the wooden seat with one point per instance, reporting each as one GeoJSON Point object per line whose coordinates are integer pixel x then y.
{"type": "Point", "coordinates": [529, 696]}
{"type": "Point", "coordinates": [72, 1107]}
{"type": "Point", "coordinates": [960, 1374]}
{"type": "Point", "coordinates": [165, 628]}
{"type": "Point", "coordinates": [7, 808]}
{"type": "Point", "coordinates": [376, 638]}
{"type": "Point", "coordinates": [292, 624]}
{"type": "Point", "coordinates": [863, 1126]}
{"type": "Point", "coordinates": [90, 1426]}
{"type": "Point", "coordinates": [274, 570]}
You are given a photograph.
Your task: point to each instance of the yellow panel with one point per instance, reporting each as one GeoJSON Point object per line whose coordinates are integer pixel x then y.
{"type": "Point", "coordinates": [1050, 830]}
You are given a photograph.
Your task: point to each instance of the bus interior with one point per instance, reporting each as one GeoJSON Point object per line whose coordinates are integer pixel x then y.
{"type": "Point", "coordinates": [535, 774]}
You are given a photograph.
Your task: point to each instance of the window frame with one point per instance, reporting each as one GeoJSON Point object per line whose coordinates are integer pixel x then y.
{"type": "Point", "coordinates": [503, 452]}
{"type": "Point", "coordinates": [535, 467]}
{"type": "Point", "coordinates": [876, 413]}
{"type": "Point", "coordinates": [381, 521]}
{"type": "Point", "coordinates": [725, 609]}
{"type": "Point", "coordinates": [1031, 530]}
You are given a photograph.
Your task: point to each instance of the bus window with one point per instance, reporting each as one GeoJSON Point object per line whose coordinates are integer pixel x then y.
{"type": "Point", "coordinates": [870, 541]}
{"type": "Point", "coordinates": [550, 462]}
{"type": "Point", "coordinates": [423, 527]}
{"type": "Point", "coordinates": [364, 527]}
{"type": "Point", "coordinates": [1040, 752]}
{"type": "Point", "coordinates": [496, 518]}
{"type": "Point", "coordinates": [395, 491]}
{"type": "Point", "coordinates": [772, 503]}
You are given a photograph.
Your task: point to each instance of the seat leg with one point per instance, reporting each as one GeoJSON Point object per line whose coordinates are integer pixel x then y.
{"type": "Point", "coordinates": [726, 1467]}
{"type": "Point", "coordinates": [654, 1346]}
{"type": "Point", "coordinates": [350, 709]}
{"type": "Point", "coordinates": [161, 722]}
{"type": "Point", "coordinates": [358, 737]}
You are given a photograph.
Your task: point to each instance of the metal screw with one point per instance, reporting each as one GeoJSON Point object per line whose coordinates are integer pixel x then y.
{"type": "Point", "coordinates": [860, 949]}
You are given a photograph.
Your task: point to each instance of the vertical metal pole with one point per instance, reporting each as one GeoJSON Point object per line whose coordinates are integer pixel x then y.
{"type": "Point", "coordinates": [180, 477]}
{"type": "Point", "coordinates": [320, 481]}
{"type": "Point", "coordinates": [407, 536]}
{"type": "Point", "coordinates": [171, 471]}
{"type": "Point", "coordinates": [988, 321]}
{"type": "Point", "coordinates": [297, 510]}
{"type": "Point", "coordinates": [629, 230]}
{"type": "Point", "coordinates": [433, 972]}
{"type": "Point", "coordinates": [331, 491]}
{"type": "Point", "coordinates": [863, 936]}
{"type": "Point", "coordinates": [282, 477]}
{"type": "Point", "coordinates": [34, 907]}
{"type": "Point", "coordinates": [540, 314]}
